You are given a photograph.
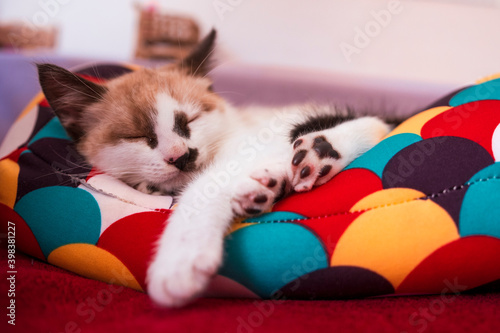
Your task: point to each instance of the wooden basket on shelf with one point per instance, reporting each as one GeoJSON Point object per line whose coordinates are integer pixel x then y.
{"type": "Point", "coordinates": [165, 36]}
{"type": "Point", "coordinates": [20, 36]}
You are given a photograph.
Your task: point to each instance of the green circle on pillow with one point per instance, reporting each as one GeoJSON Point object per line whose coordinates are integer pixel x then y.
{"type": "Point", "coordinates": [376, 158]}
{"type": "Point", "coordinates": [480, 210]}
{"type": "Point", "coordinates": [60, 215]}
{"type": "Point", "coordinates": [265, 257]}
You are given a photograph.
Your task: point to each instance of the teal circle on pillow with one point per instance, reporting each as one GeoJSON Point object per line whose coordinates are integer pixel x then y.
{"type": "Point", "coordinates": [480, 207]}
{"type": "Point", "coordinates": [53, 129]}
{"type": "Point", "coordinates": [60, 215]}
{"type": "Point", "coordinates": [274, 217]}
{"type": "Point", "coordinates": [265, 257]}
{"type": "Point", "coordinates": [376, 158]}
{"type": "Point", "coordinates": [480, 92]}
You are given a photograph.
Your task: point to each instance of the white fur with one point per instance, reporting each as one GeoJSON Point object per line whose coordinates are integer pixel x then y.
{"type": "Point", "coordinates": [134, 161]}
{"type": "Point", "coordinates": [171, 145]}
{"type": "Point", "coordinates": [255, 149]}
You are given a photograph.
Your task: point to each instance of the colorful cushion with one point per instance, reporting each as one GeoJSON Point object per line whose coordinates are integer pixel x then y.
{"type": "Point", "coordinates": [418, 213]}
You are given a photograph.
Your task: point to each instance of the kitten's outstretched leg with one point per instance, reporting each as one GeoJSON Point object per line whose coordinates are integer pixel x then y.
{"type": "Point", "coordinates": [190, 250]}
{"type": "Point", "coordinates": [318, 156]}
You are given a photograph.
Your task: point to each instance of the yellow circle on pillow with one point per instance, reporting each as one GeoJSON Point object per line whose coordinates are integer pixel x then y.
{"type": "Point", "coordinates": [9, 172]}
{"type": "Point", "coordinates": [32, 105]}
{"type": "Point", "coordinates": [388, 197]}
{"type": "Point", "coordinates": [488, 78]}
{"type": "Point", "coordinates": [393, 240]}
{"type": "Point", "coordinates": [415, 123]}
{"type": "Point", "coordinates": [93, 262]}
{"type": "Point", "coordinates": [237, 225]}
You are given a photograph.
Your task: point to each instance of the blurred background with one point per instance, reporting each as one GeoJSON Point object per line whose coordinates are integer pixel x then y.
{"type": "Point", "coordinates": [407, 52]}
{"type": "Point", "coordinates": [450, 41]}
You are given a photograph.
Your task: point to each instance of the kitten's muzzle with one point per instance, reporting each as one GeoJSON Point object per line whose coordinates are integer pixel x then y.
{"type": "Point", "coordinates": [179, 162]}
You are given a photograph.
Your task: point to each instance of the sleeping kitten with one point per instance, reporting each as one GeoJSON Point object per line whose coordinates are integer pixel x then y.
{"type": "Point", "coordinates": [165, 130]}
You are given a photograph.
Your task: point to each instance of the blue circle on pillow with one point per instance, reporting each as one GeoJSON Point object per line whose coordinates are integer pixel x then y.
{"type": "Point", "coordinates": [53, 129]}
{"type": "Point", "coordinates": [265, 257]}
{"type": "Point", "coordinates": [274, 217]}
{"type": "Point", "coordinates": [60, 215]}
{"type": "Point", "coordinates": [480, 92]}
{"type": "Point", "coordinates": [480, 213]}
{"type": "Point", "coordinates": [376, 158]}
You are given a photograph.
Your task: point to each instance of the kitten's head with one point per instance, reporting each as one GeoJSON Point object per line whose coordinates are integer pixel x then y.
{"type": "Point", "coordinates": [142, 127]}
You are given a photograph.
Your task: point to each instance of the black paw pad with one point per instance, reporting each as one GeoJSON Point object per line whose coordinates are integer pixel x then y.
{"type": "Point", "coordinates": [306, 171]}
{"type": "Point", "coordinates": [299, 157]}
{"type": "Point", "coordinates": [252, 211]}
{"type": "Point", "coordinates": [319, 139]}
{"type": "Point", "coordinates": [282, 192]}
{"type": "Point", "coordinates": [297, 143]}
{"type": "Point", "coordinates": [261, 198]}
{"type": "Point", "coordinates": [324, 149]}
{"type": "Point", "coordinates": [272, 183]}
{"type": "Point", "coordinates": [325, 170]}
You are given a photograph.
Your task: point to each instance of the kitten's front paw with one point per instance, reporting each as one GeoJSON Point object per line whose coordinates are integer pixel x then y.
{"type": "Point", "coordinates": [182, 269]}
{"type": "Point", "coordinates": [257, 193]}
{"type": "Point", "coordinates": [144, 187]}
{"type": "Point", "coordinates": [314, 162]}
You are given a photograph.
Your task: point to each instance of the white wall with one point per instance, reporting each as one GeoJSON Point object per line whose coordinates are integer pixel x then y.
{"type": "Point", "coordinates": [445, 41]}
{"type": "Point", "coordinates": [89, 28]}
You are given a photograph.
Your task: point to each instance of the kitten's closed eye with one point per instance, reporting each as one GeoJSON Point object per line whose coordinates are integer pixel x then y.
{"type": "Point", "coordinates": [194, 118]}
{"type": "Point", "coordinates": [152, 141]}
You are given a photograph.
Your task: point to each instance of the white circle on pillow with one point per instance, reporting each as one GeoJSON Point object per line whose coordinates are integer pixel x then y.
{"type": "Point", "coordinates": [121, 200]}
{"type": "Point", "coordinates": [495, 143]}
{"type": "Point", "coordinates": [19, 133]}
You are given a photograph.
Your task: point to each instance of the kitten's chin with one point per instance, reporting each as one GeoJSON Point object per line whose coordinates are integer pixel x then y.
{"type": "Point", "coordinates": [172, 183]}
{"type": "Point", "coordinates": [167, 183]}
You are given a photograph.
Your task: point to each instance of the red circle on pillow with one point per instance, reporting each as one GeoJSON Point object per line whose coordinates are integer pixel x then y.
{"type": "Point", "coordinates": [25, 240]}
{"type": "Point", "coordinates": [329, 228]}
{"type": "Point", "coordinates": [464, 264]}
{"type": "Point", "coordinates": [132, 240]}
{"type": "Point", "coordinates": [335, 197]}
{"type": "Point", "coordinates": [475, 121]}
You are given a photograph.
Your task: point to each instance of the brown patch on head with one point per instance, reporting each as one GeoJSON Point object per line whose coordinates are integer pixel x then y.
{"type": "Point", "coordinates": [189, 89]}
{"type": "Point", "coordinates": [128, 109]}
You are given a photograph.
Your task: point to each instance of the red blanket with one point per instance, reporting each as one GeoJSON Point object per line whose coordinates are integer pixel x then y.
{"type": "Point", "coordinates": [49, 299]}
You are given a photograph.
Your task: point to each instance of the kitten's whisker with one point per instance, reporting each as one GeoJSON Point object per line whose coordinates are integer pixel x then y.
{"type": "Point", "coordinates": [57, 172]}
{"type": "Point", "coordinates": [84, 164]}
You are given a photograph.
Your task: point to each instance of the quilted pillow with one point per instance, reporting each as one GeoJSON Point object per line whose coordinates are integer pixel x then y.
{"type": "Point", "coordinates": [418, 213]}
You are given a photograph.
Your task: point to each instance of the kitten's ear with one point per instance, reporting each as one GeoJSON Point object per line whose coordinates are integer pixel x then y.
{"type": "Point", "coordinates": [198, 63]}
{"type": "Point", "coordinates": [69, 95]}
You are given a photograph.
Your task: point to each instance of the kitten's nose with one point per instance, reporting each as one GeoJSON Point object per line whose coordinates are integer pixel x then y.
{"type": "Point", "coordinates": [179, 162]}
